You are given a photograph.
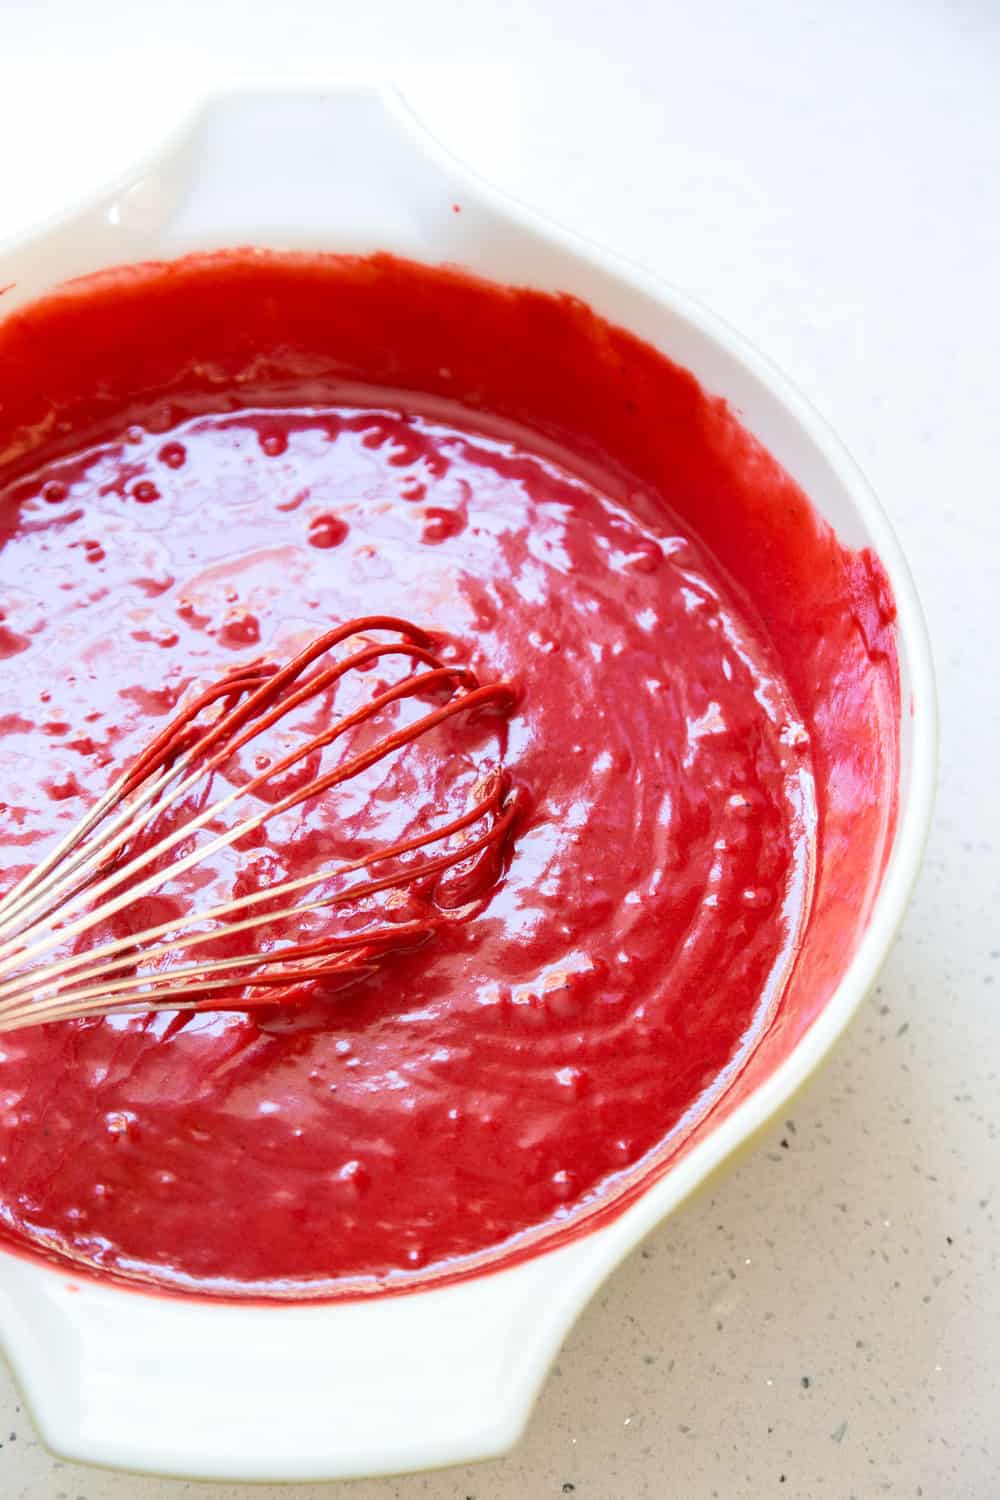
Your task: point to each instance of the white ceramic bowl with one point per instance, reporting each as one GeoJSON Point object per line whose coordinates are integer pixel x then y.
{"type": "Point", "coordinates": [204, 1389]}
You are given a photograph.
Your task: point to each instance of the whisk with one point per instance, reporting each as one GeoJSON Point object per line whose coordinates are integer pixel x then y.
{"type": "Point", "coordinates": [161, 819]}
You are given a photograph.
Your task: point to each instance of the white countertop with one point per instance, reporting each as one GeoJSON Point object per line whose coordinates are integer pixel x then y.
{"type": "Point", "coordinates": [826, 1322]}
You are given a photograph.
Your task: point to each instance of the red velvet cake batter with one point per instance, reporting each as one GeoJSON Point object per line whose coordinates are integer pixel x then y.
{"type": "Point", "coordinates": [214, 461]}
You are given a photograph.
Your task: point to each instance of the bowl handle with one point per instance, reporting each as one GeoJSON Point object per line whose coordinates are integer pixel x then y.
{"type": "Point", "coordinates": [321, 1391]}
{"type": "Point", "coordinates": [290, 168]}
{"type": "Point", "coordinates": [280, 169]}
{"type": "Point", "coordinates": [310, 168]}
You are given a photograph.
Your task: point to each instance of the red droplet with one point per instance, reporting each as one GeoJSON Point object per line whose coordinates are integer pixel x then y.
{"type": "Point", "coordinates": [240, 628]}
{"type": "Point", "coordinates": [327, 531]}
{"type": "Point", "coordinates": [355, 1175]}
{"type": "Point", "coordinates": [576, 1080]}
{"type": "Point", "coordinates": [174, 455]}
{"type": "Point", "coordinates": [563, 1184]}
{"type": "Point", "coordinates": [12, 643]}
{"type": "Point", "coordinates": [62, 786]}
{"type": "Point", "coordinates": [439, 525]}
{"type": "Point", "coordinates": [646, 556]}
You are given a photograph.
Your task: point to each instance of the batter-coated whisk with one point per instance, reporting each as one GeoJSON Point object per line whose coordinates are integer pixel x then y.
{"type": "Point", "coordinates": [162, 819]}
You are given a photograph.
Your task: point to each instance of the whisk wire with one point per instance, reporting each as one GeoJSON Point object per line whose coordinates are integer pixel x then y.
{"type": "Point", "coordinates": [116, 855]}
{"type": "Point", "coordinates": [126, 872]}
{"type": "Point", "coordinates": [35, 980]}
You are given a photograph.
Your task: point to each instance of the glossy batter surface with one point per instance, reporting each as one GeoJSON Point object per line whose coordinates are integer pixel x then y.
{"type": "Point", "coordinates": [491, 1082]}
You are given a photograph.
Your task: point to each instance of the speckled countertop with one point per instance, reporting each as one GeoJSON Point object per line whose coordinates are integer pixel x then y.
{"type": "Point", "coordinates": [827, 1322]}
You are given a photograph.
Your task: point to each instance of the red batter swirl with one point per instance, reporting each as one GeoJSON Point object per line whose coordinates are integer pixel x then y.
{"type": "Point", "coordinates": [507, 1075]}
